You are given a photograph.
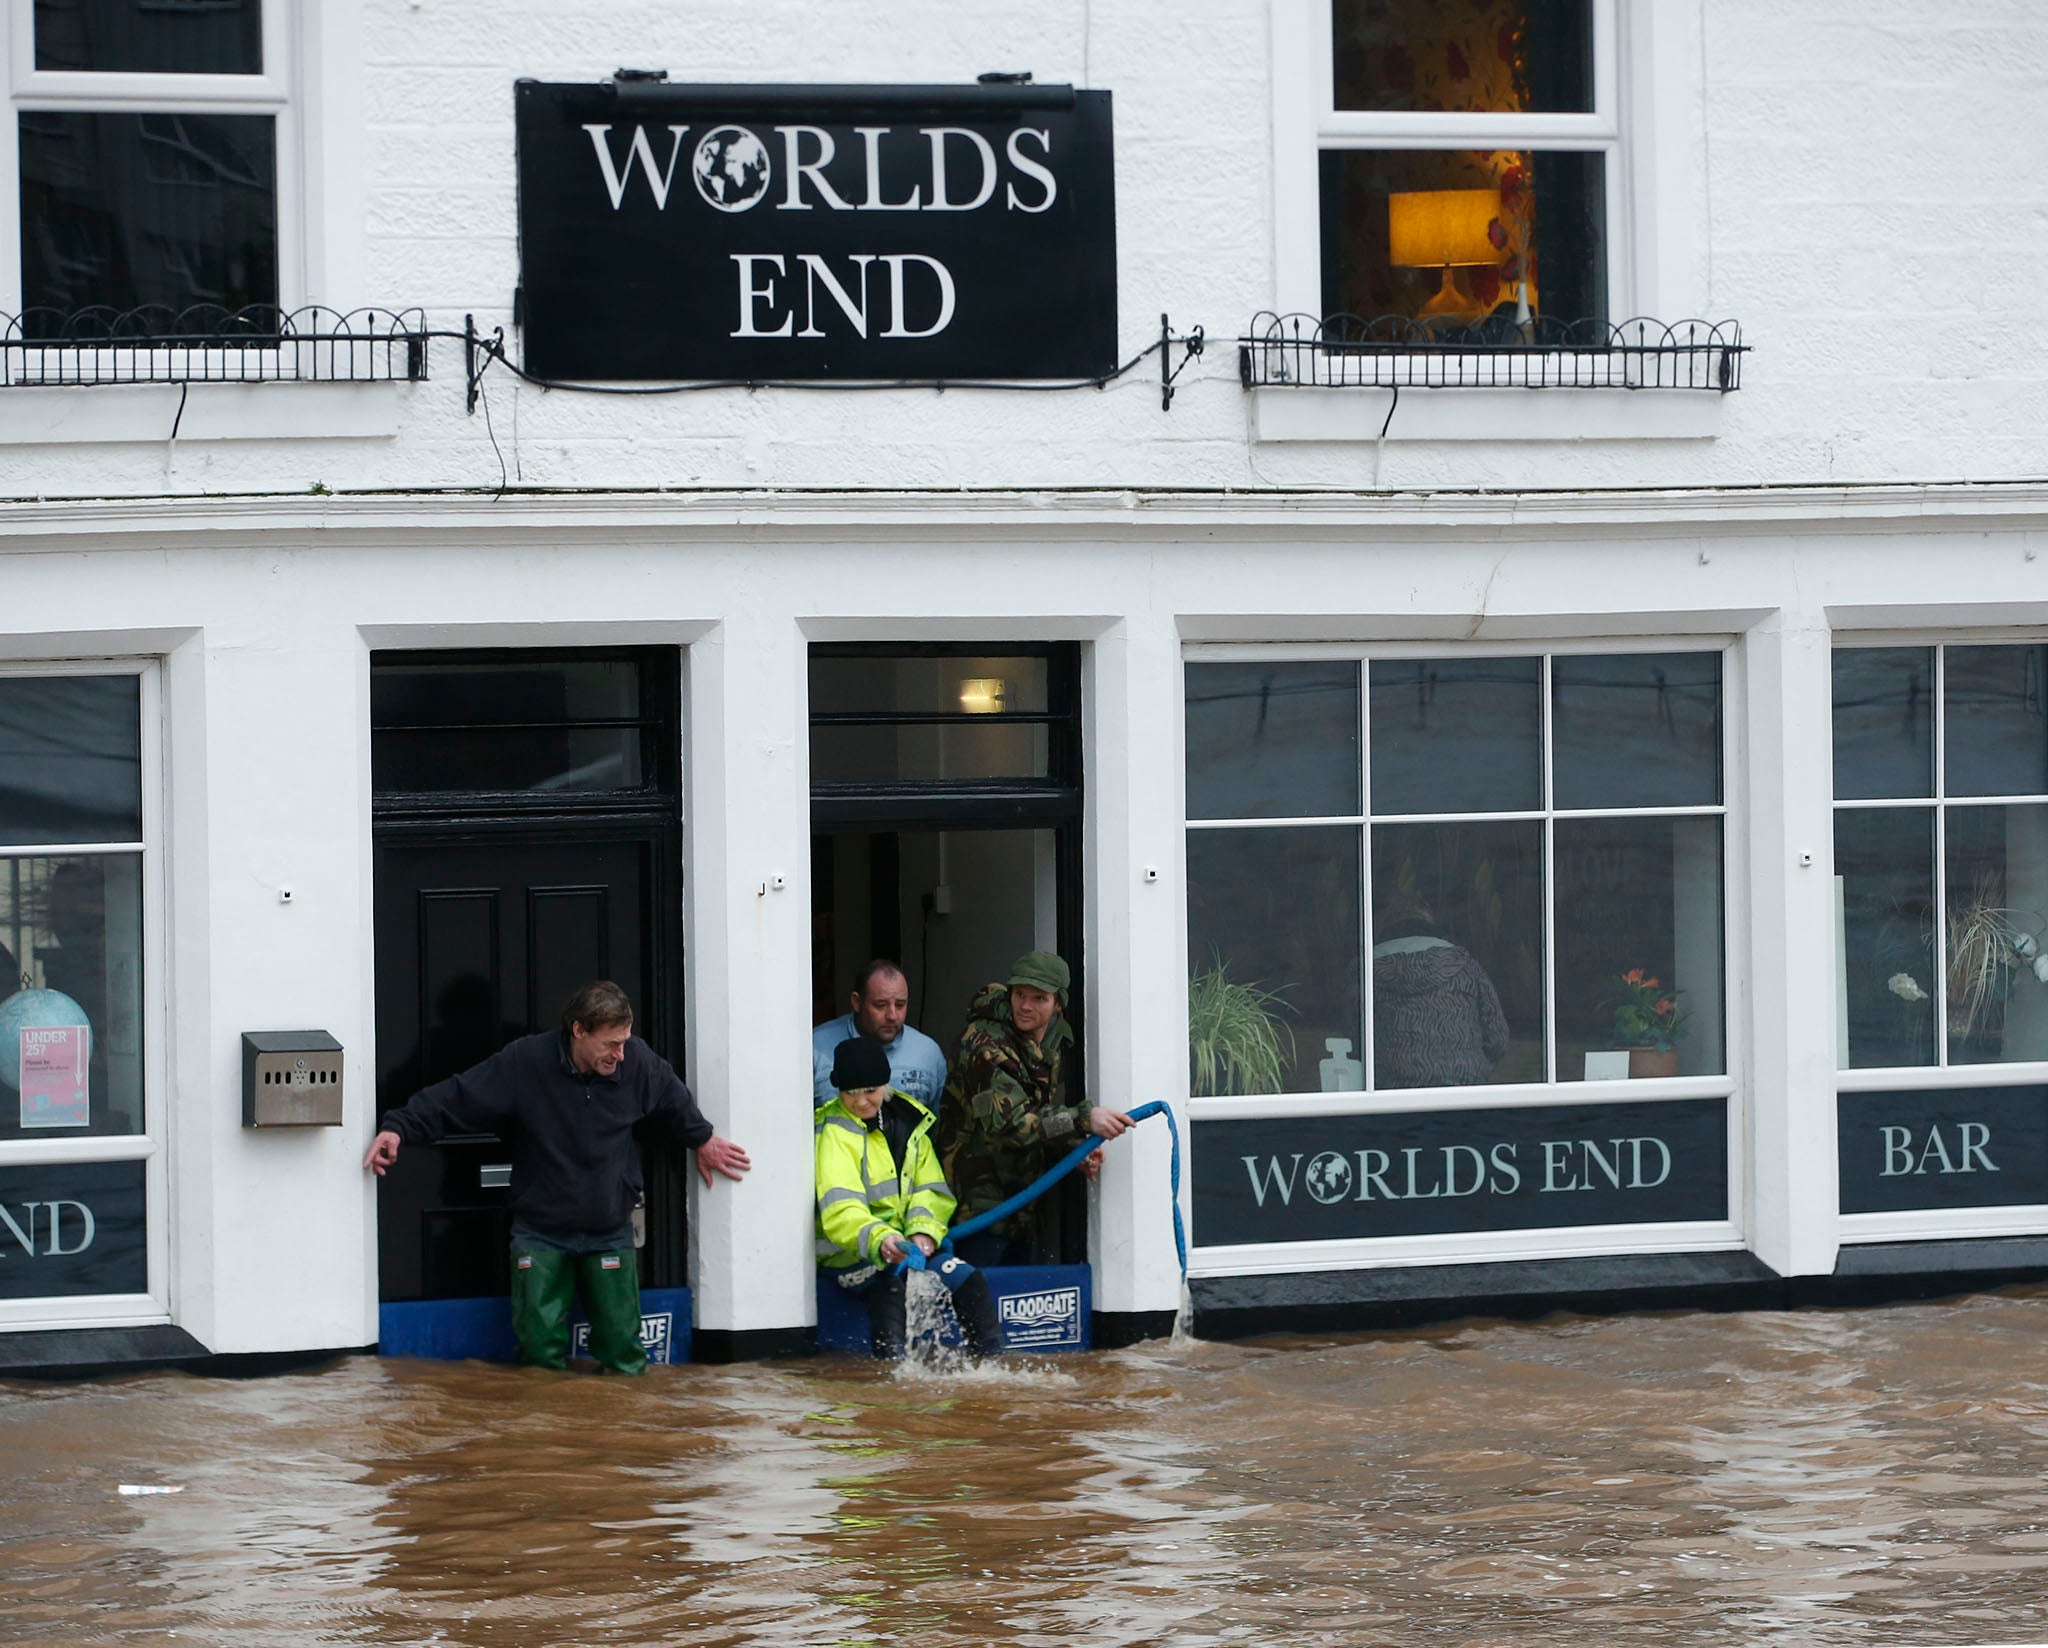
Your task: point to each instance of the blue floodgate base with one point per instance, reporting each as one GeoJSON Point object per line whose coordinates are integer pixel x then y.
{"type": "Point", "coordinates": [1041, 1307]}
{"type": "Point", "coordinates": [454, 1329]}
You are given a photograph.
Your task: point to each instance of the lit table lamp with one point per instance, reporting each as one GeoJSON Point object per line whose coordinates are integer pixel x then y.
{"type": "Point", "coordinates": [1443, 229]}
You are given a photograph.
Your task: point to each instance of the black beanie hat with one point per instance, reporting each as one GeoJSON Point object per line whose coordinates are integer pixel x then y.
{"type": "Point", "coordinates": [861, 1062]}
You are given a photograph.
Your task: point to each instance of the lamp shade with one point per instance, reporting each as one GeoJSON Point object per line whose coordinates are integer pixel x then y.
{"type": "Point", "coordinates": [1440, 228]}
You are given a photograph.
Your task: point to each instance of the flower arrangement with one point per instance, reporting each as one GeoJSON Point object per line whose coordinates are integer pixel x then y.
{"type": "Point", "coordinates": [1648, 1015]}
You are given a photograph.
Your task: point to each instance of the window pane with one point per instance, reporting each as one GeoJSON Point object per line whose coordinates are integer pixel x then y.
{"type": "Point", "coordinates": [1535, 56]}
{"type": "Point", "coordinates": [1995, 730]}
{"type": "Point", "coordinates": [528, 759]}
{"type": "Point", "coordinates": [71, 1035]}
{"type": "Point", "coordinates": [1884, 722]}
{"type": "Point", "coordinates": [70, 759]}
{"type": "Point", "coordinates": [1639, 896]}
{"type": "Point", "coordinates": [1272, 740]}
{"type": "Point", "coordinates": [1884, 860]}
{"type": "Point", "coordinates": [928, 686]}
{"type": "Point", "coordinates": [1457, 960]}
{"type": "Point", "coordinates": [950, 750]}
{"type": "Point", "coordinates": [1457, 735]}
{"type": "Point", "coordinates": [1452, 236]}
{"type": "Point", "coordinates": [150, 37]}
{"type": "Point", "coordinates": [524, 692]}
{"type": "Point", "coordinates": [126, 210]}
{"type": "Point", "coordinates": [1274, 957]}
{"type": "Point", "coordinates": [1640, 730]}
{"type": "Point", "coordinates": [1996, 889]}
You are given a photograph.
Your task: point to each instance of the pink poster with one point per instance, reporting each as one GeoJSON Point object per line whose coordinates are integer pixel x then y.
{"type": "Point", "coordinates": [53, 1079]}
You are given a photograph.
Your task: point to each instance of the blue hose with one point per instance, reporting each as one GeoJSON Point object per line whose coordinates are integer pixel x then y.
{"type": "Point", "coordinates": [914, 1260]}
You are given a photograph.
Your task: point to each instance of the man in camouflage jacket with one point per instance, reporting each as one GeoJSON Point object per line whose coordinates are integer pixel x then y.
{"type": "Point", "coordinates": [1006, 1116]}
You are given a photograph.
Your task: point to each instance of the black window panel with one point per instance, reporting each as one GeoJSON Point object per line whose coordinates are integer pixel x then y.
{"type": "Point", "coordinates": [150, 36]}
{"type": "Point", "coordinates": [512, 693]}
{"type": "Point", "coordinates": [929, 684]}
{"type": "Point", "coordinates": [134, 210]}
{"type": "Point", "coordinates": [1884, 722]}
{"type": "Point", "coordinates": [1425, 56]}
{"type": "Point", "coordinates": [1884, 857]}
{"type": "Point", "coordinates": [1636, 730]}
{"type": "Point", "coordinates": [70, 759]}
{"type": "Point", "coordinates": [1995, 736]}
{"type": "Point", "coordinates": [1457, 735]}
{"type": "Point", "coordinates": [1548, 235]}
{"type": "Point", "coordinates": [1272, 740]}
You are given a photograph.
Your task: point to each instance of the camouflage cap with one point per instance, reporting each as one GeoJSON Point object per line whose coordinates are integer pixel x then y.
{"type": "Point", "coordinates": [1041, 970]}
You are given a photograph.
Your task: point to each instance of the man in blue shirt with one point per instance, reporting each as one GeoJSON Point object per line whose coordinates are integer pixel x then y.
{"type": "Point", "coordinates": [881, 1003]}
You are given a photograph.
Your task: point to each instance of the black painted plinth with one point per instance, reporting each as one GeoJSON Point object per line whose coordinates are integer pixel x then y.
{"type": "Point", "coordinates": [77, 1353]}
{"type": "Point", "coordinates": [1113, 1329]}
{"type": "Point", "coordinates": [725, 1345]}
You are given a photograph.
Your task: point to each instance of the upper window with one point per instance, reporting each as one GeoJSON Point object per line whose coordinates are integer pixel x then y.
{"type": "Point", "coordinates": [1454, 871]}
{"type": "Point", "coordinates": [1466, 154]}
{"type": "Point", "coordinates": [148, 137]}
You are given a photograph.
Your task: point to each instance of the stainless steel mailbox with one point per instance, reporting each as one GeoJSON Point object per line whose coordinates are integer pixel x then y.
{"type": "Point", "coordinates": [290, 1078]}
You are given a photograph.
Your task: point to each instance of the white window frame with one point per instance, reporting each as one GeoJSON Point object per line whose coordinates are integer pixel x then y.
{"type": "Point", "coordinates": [1924, 1224]}
{"type": "Point", "coordinates": [1641, 63]}
{"type": "Point", "coordinates": [148, 1146]}
{"type": "Point", "coordinates": [1559, 1242]}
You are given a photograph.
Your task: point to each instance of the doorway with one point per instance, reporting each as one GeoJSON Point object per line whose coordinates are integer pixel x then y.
{"type": "Point", "coordinates": [946, 789]}
{"type": "Point", "coordinates": [527, 837]}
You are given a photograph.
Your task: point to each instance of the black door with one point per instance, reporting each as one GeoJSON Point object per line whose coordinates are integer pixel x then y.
{"type": "Point", "coordinates": [548, 857]}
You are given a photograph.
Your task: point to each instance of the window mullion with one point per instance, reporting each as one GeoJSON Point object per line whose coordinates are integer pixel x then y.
{"type": "Point", "coordinates": [1549, 800]}
{"type": "Point", "coordinates": [1939, 869]}
{"type": "Point", "coordinates": [1365, 888]}
{"type": "Point", "coordinates": [1376, 129]}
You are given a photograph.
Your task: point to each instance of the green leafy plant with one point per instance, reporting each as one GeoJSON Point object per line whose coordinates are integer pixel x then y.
{"type": "Point", "coordinates": [1236, 1042]}
{"type": "Point", "coordinates": [1648, 1015]}
{"type": "Point", "coordinates": [1987, 949]}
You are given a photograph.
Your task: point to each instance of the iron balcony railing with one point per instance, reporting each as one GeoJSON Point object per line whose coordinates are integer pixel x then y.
{"type": "Point", "coordinates": [1397, 352]}
{"type": "Point", "coordinates": [210, 344]}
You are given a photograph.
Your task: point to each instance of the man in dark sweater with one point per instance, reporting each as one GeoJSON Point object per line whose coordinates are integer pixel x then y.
{"type": "Point", "coordinates": [567, 1103]}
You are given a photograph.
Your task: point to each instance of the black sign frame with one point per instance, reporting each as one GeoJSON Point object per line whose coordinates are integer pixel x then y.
{"type": "Point", "coordinates": [72, 1230]}
{"type": "Point", "coordinates": [815, 233]}
{"type": "Point", "coordinates": [1426, 1173]}
{"type": "Point", "coordinates": [1932, 1148]}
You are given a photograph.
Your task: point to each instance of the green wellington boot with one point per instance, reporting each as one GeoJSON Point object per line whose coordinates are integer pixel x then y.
{"type": "Point", "coordinates": [543, 1284]}
{"type": "Point", "coordinates": [611, 1293]}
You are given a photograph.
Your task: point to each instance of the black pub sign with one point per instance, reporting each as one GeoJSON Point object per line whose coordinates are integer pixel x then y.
{"type": "Point", "coordinates": [73, 1228]}
{"type": "Point", "coordinates": [815, 232]}
{"type": "Point", "coordinates": [1311, 1179]}
{"type": "Point", "coordinates": [1954, 1147]}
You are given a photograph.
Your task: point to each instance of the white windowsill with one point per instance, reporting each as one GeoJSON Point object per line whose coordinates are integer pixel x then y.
{"type": "Point", "coordinates": [146, 412]}
{"type": "Point", "coordinates": [1281, 413]}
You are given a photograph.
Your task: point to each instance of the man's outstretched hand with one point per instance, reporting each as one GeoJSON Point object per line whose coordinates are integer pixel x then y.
{"type": "Point", "coordinates": [715, 1154]}
{"type": "Point", "coordinates": [382, 1153]}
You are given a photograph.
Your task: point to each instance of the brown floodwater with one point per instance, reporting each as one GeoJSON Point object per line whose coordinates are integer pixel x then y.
{"type": "Point", "coordinates": [1862, 1477]}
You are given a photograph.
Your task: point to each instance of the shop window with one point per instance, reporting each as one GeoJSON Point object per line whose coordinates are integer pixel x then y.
{"type": "Point", "coordinates": [148, 138]}
{"type": "Point", "coordinates": [1941, 854]}
{"type": "Point", "coordinates": [76, 1151]}
{"type": "Point", "coordinates": [1428, 872]}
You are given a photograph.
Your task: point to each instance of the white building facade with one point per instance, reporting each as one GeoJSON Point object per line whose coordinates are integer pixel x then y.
{"type": "Point", "coordinates": [1404, 684]}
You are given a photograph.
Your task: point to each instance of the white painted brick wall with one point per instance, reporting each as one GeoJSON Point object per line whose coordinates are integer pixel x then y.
{"type": "Point", "coordinates": [1872, 214]}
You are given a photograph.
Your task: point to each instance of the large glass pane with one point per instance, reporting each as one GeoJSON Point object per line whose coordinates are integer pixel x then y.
{"type": "Point", "coordinates": [1457, 237]}
{"type": "Point", "coordinates": [1639, 948]}
{"type": "Point", "coordinates": [151, 36]}
{"type": "Point", "coordinates": [70, 758]}
{"type": "Point", "coordinates": [1276, 996]}
{"type": "Point", "coordinates": [70, 995]}
{"type": "Point", "coordinates": [1498, 56]}
{"type": "Point", "coordinates": [936, 753]}
{"type": "Point", "coordinates": [1636, 730]}
{"type": "Point", "coordinates": [1884, 872]}
{"type": "Point", "coordinates": [1996, 893]}
{"type": "Point", "coordinates": [1457, 959]}
{"type": "Point", "coordinates": [1995, 730]}
{"type": "Point", "coordinates": [1884, 722]}
{"type": "Point", "coordinates": [538, 692]}
{"type": "Point", "coordinates": [1272, 740]}
{"type": "Point", "coordinates": [1003, 684]}
{"type": "Point", "coordinates": [127, 210]}
{"type": "Point", "coordinates": [1457, 735]}
{"type": "Point", "coordinates": [536, 760]}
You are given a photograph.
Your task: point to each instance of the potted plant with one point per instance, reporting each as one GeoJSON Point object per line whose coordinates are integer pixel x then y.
{"type": "Point", "coordinates": [1648, 1023]}
{"type": "Point", "coordinates": [1236, 1042]}
{"type": "Point", "coordinates": [1987, 951]}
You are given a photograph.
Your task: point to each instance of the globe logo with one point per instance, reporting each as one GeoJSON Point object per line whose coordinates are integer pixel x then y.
{"type": "Point", "coordinates": [731, 168]}
{"type": "Point", "coordinates": [1329, 1177]}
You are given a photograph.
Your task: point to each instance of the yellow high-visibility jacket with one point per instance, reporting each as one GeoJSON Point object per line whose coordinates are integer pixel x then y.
{"type": "Point", "coordinates": [864, 1193]}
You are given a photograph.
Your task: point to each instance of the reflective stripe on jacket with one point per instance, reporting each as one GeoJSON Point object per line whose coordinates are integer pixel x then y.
{"type": "Point", "coordinates": [864, 1193]}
